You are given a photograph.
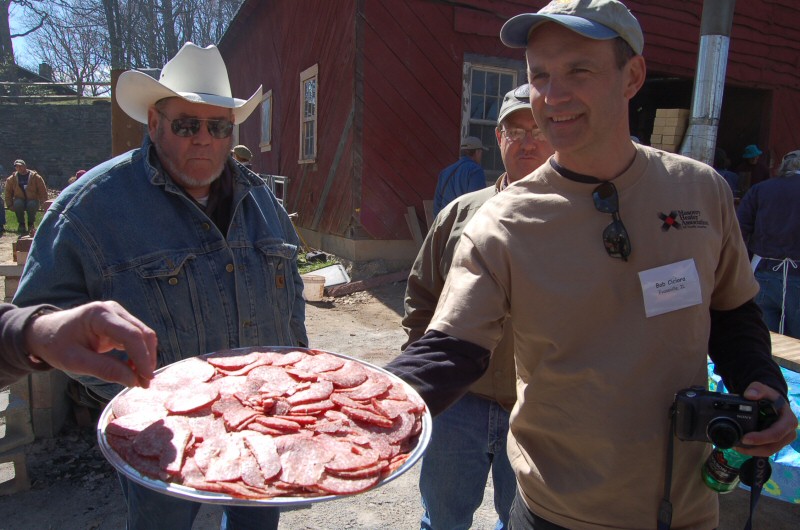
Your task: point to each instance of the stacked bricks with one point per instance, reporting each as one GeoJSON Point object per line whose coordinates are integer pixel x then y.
{"type": "Point", "coordinates": [669, 128]}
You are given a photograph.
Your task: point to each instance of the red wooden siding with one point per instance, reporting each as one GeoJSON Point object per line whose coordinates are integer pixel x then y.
{"type": "Point", "coordinates": [390, 90]}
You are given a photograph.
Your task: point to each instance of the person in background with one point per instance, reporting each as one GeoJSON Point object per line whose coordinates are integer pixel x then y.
{"type": "Point", "coordinates": [752, 168]}
{"type": "Point", "coordinates": [770, 222]}
{"type": "Point", "coordinates": [41, 337]}
{"type": "Point", "coordinates": [576, 254]}
{"type": "Point", "coordinates": [469, 438]}
{"type": "Point", "coordinates": [242, 154]}
{"type": "Point", "coordinates": [25, 193]}
{"type": "Point", "coordinates": [203, 254]}
{"type": "Point", "coordinates": [78, 174]}
{"type": "Point", "coordinates": [721, 164]}
{"type": "Point", "coordinates": [463, 176]}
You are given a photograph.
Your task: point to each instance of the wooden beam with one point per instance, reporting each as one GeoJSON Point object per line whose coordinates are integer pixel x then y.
{"type": "Point", "coordinates": [413, 226]}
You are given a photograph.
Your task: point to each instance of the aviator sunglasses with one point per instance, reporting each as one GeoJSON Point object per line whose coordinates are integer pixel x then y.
{"type": "Point", "coordinates": [615, 237]}
{"type": "Point", "coordinates": [219, 128]}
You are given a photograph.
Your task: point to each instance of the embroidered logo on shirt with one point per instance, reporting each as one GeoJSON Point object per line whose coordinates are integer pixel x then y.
{"type": "Point", "coordinates": [680, 219]}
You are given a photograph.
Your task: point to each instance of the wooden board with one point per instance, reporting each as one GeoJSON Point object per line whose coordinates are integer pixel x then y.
{"type": "Point", "coordinates": [786, 351]}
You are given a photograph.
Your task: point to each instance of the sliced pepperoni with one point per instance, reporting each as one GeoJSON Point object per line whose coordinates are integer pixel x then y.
{"type": "Point", "coordinates": [322, 362]}
{"type": "Point", "coordinates": [290, 357]}
{"type": "Point", "coordinates": [372, 387]}
{"type": "Point", "coordinates": [266, 454]}
{"type": "Point", "coordinates": [132, 424]}
{"type": "Point", "coordinates": [318, 391]}
{"type": "Point", "coordinates": [343, 486]}
{"type": "Point", "coordinates": [192, 398]}
{"type": "Point", "coordinates": [367, 417]}
{"type": "Point", "coordinates": [351, 374]}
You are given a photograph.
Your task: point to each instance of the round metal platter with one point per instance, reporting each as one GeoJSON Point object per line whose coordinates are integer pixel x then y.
{"type": "Point", "coordinates": [208, 497]}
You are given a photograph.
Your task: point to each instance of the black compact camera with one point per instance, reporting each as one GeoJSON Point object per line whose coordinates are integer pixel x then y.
{"type": "Point", "coordinates": [722, 419]}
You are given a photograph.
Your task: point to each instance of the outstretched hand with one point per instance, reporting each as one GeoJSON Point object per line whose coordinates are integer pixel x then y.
{"type": "Point", "coordinates": [74, 340]}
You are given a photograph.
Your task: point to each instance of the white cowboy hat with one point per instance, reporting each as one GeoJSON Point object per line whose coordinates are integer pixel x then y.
{"type": "Point", "coordinates": [195, 74]}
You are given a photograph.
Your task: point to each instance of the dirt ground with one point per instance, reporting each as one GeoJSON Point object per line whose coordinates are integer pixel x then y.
{"type": "Point", "coordinates": [73, 487]}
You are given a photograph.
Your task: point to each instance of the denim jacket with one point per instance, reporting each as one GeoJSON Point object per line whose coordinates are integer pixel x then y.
{"type": "Point", "coordinates": [126, 232]}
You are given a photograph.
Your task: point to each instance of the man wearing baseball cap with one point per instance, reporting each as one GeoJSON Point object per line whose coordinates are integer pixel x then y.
{"type": "Point", "coordinates": [463, 176]}
{"type": "Point", "coordinates": [469, 439]}
{"type": "Point", "coordinates": [621, 268]}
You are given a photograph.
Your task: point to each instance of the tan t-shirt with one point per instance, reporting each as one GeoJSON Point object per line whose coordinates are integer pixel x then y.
{"type": "Point", "coordinates": [596, 376]}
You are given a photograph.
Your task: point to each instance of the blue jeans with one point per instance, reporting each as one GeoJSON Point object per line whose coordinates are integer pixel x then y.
{"type": "Point", "coordinates": [21, 206]}
{"type": "Point", "coordinates": [149, 510]}
{"type": "Point", "coordinates": [770, 299]}
{"type": "Point", "coordinates": [467, 440]}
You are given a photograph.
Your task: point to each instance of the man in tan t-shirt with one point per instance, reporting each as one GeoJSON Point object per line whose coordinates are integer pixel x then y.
{"type": "Point", "coordinates": [622, 267]}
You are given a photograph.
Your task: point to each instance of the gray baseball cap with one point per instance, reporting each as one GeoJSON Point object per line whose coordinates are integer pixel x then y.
{"type": "Point", "coordinates": [472, 142]}
{"type": "Point", "coordinates": [519, 98]}
{"type": "Point", "coordinates": [595, 19]}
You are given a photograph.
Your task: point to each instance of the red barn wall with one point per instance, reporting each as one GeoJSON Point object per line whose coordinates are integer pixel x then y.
{"type": "Point", "coordinates": [390, 87]}
{"type": "Point", "coordinates": [271, 43]}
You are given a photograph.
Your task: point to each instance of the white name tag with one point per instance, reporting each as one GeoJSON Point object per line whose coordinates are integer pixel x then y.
{"type": "Point", "coordinates": [670, 288]}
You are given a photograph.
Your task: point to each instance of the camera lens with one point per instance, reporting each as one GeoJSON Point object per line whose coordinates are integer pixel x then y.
{"type": "Point", "coordinates": [723, 432]}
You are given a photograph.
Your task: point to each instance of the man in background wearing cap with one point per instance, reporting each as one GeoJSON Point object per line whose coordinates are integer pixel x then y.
{"type": "Point", "coordinates": [621, 267]}
{"type": "Point", "coordinates": [463, 176]}
{"type": "Point", "coordinates": [25, 192]}
{"type": "Point", "coordinates": [469, 439]}
{"type": "Point", "coordinates": [752, 168]}
{"type": "Point", "coordinates": [770, 222]}
{"type": "Point", "coordinates": [201, 250]}
{"type": "Point", "coordinates": [243, 155]}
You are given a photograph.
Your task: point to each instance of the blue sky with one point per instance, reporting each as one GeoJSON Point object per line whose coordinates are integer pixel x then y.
{"type": "Point", "coordinates": [20, 48]}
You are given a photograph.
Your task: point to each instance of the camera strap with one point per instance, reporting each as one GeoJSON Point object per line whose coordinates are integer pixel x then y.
{"type": "Point", "coordinates": [665, 508]}
{"type": "Point", "coordinates": [754, 472]}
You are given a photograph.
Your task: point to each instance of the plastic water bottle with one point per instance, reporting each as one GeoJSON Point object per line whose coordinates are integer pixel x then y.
{"type": "Point", "coordinates": [721, 469]}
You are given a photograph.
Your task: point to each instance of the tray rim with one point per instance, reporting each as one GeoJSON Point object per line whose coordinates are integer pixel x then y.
{"type": "Point", "coordinates": [208, 497]}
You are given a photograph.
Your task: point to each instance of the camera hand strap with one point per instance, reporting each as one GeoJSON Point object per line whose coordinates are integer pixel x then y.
{"type": "Point", "coordinates": [754, 472]}
{"type": "Point", "coordinates": [665, 509]}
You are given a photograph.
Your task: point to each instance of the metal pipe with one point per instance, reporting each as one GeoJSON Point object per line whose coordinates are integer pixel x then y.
{"type": "Point", "coordinates": [712, 61]}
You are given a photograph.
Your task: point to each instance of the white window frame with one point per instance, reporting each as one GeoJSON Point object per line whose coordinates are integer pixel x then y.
{"type": "Point", "coordinates": [265, 142]}
{"type": "Point", "coordinates": [466, 117]}
{"type": "Point", "coordinates": [308, 120]}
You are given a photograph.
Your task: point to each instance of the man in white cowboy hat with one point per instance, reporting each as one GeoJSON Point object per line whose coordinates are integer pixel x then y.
{"type": "Point", "coordinates": [187, 240]}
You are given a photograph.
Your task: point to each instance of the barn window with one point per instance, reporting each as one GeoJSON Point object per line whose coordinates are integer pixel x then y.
{"type": "Point", "coordinates": [484, 88]}
{"type": "Point", "coordinates": [266, 122]}
{"type": "Point", "coordinates": [309, 89]}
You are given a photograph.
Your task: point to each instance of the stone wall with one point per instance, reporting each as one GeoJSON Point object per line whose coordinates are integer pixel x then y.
{"type": "Point", "coordinates": [55, 139]}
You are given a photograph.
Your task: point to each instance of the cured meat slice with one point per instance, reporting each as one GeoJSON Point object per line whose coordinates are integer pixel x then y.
{"type": "Point", "coordinates": [230, 385]}
{"type": "Point", "coordinates": [364, 472]}
{"type": "Point", "coordinates": [318, 391]}
{"type": "Point", "coordinates": [266, 454]}
{"type": "Point", "coordinates": [372, 387]}
{"type": "Point", "coordinates": [349, 375]}
{"type": "Point", "coordinates": [244, 370]}
{"type": "Point", "coordinates": [137, 399]}
{"type": "Point", "coordinates": [189, 371]}
{"type": "Point", "coordinates": [160, 436]}
{"type": "Point", "coordinates": [132, 424]}
{"type": "Point", "coordinates": [192, 398]}
{"type": "Point", "coordinates": [312, 408]}
{"type": "Point", "coordinates": [232, 360]}
{"type": "Point", "coordinates": [350, 457]}
{"type": "Point", "coordinates": [290, 357]}
{"type": "Point", "coordinates": [367, 417]}
{"type": "Point", "coordinates": [148, 467]}
{"type": "Point", "coordinates": [237, 417]}
{"type": "Point", "coordinates": [322, 362]}
{"type": "Point", "coordinates": [204, 425]}
{"type": "Point", "coordinates": [225, 465]}
{"type": "Point", "coordinates": [270, 381]}
{"type": "Point", "coordinates": [280, 424]}
{"type": "Point", "coordinates": [343, 486]}
{"type": "Point", "coordinates": [302, 459]}
{"type": "Point", "coordinates": [392, 408]}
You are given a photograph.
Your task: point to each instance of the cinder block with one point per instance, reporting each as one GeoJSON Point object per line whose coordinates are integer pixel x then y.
{"type": "Point", "coordinates": [659, 121]}
{"type": "Point", "coordinates": [655, 139]}
{"type": "Point", "coordinates": [13, 473]}
{"type": "Point", "coordinates": [49, 402]}
{"type": "Point", "coordinates": [10, 283]}
{"type": "Point", "coordinates": [16, 429]}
